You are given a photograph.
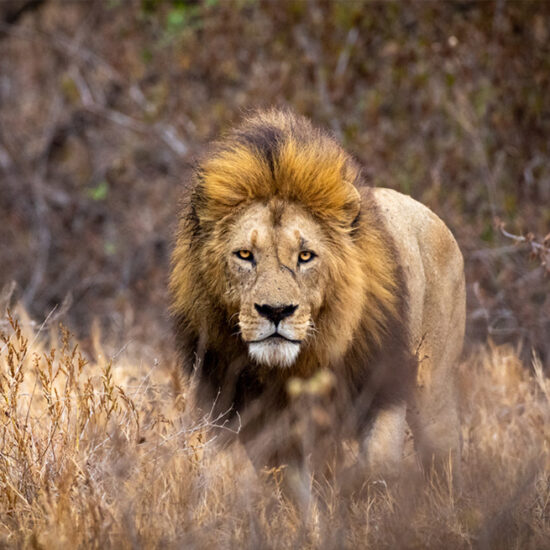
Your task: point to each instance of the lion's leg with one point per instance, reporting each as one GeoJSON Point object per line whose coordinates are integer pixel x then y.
{"type": "Point", "coordinates": [277, 452]}
{"type": "Point", "coordinates": [383, 445]}
{"type": "Point", "coordinates": [433, 413]}
{"type": "Point", "coordinates": [434, 420]}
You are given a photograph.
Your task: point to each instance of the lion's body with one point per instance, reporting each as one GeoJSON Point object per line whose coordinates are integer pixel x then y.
{"type": "Point", "coordinates": [283, 269]}
{"type": "Point", "coordinates": [434, 274]}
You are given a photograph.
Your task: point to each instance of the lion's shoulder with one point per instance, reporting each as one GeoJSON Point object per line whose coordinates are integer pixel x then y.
{"type": "Point", "coordinates": [409, 219]}
{"type": "Point", "coordinates": [419, 234]}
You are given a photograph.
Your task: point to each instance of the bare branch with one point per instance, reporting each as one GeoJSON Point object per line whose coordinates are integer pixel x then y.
{"type": "Point", "coordinates": [343, 58]}
{"type": "Point", "coordinates": [166, 132]}
{"type": "Point", "coordinates": [540, 251]}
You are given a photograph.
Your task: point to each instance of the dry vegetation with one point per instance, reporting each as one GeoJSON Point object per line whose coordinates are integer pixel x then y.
{"type": "Point", "coordinates": [105, 103]}
{"type": "Point", "coordinates": [106, 454]}
{"type": "Point", "coordinates": [103, 106]}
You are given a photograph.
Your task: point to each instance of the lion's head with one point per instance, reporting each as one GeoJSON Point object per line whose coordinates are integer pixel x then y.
{"type": "Point", "coordinates": [276, 259]}
{"type": "Point", "coordinates": [273, 248]}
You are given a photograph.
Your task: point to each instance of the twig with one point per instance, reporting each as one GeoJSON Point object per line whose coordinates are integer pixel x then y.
{"type": "Point", "coordinates": [343, 58]}
{"type": "Point", "coordinates": [6, 162]}
{"type": "Point", "coordinates": [494, 252]}
{"type": "Point", "coordinates": [42, 230]}
{"type": "Point", "coordinates": [538, 250]}
{"type": "Point", "coordinates": [6, 296]}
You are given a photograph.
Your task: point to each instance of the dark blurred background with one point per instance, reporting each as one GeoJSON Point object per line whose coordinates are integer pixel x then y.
{"type": "Point", "coordinates": [104, 105]}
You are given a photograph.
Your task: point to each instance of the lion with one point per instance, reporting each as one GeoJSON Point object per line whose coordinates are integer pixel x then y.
{"type": "Point", "coordinates": [287, 265]}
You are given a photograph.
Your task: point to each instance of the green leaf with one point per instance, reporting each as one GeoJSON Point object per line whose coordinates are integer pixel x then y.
{"type": "Point", "coordinates": [109, 248]}
{"type": "Point", "coordinates": [99, 192]}
{"type": "Point", "coordinates": [176, 18]}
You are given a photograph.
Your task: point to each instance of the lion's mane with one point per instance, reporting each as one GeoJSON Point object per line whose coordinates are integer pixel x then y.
{"type": "Point", "coordinates": [277, 154]}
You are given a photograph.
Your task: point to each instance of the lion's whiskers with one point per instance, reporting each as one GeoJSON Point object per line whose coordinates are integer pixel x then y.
{"type": "Point", "coordinates": [233, 316]}
{"type": "Point", "coordinates": [311, 329]}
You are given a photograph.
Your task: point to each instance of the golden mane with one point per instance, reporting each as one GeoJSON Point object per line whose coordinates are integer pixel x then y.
{"type": "Point", "coordinates": [277, 154]}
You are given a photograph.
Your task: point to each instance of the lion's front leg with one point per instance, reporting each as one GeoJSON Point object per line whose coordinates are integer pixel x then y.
{"type": "Point", "coordinates": [383, 444]}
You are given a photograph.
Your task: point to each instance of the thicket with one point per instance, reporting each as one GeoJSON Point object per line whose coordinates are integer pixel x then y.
{"type": "Point", "coordinates": [105, 104]}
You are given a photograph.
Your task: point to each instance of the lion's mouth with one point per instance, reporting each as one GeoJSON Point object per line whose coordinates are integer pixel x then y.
{"type": "Point", "coordinates": [275, 350]}
{"type": "Point", "coordinates": [276, 336]}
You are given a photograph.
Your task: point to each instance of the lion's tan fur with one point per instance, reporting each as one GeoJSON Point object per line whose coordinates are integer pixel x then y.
{"type": "Point", "coordinates": [387, 286]}
{"type": "Point", "coordinates": [434, 272]}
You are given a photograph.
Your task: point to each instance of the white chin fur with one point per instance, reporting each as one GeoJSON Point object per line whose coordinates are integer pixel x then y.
{"type": "Point", "coordinates": [274, 354]}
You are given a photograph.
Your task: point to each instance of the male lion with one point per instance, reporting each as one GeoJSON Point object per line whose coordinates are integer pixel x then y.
{"type": "Point", "coordinates": [287, 265]}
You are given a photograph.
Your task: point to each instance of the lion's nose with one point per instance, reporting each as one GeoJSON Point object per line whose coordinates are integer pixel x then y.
{"type": "Point", "coordinates": [275, 313]}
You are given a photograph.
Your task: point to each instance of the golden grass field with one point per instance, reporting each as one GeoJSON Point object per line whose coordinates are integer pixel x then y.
{"type": "Point", "coordinates": [106, 453]}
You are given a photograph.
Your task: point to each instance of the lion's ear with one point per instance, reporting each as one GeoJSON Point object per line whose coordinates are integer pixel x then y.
{"type": "Point", "coordinates": [353, 206]}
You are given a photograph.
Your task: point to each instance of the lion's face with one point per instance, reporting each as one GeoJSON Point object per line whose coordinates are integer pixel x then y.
{"type": "Point", "coordinates": [277, 276]}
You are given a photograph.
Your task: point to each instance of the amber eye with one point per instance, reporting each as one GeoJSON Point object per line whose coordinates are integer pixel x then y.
{"type": "Point", "coordinates": [305, 256]}
{"type": "Point", "coordinates": [244, 255]}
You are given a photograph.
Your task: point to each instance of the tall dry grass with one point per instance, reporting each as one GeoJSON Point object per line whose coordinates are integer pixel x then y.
{"type": "Point", "coordinates": [109, 454]}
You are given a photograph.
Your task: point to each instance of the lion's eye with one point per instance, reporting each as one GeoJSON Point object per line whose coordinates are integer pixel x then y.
{"type": "Point", "coordinates": [245, 255]}
{"type": "Point", "coordinates": [305, 256]}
